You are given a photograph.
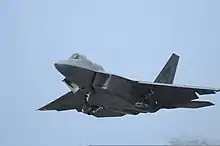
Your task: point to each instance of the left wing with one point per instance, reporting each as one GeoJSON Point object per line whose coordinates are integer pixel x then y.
{"type": "Point", "coordinates": [172, 87]}
{"type": "Point", "coordinates": [171, 93]}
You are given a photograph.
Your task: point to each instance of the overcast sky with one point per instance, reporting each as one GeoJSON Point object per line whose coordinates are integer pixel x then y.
{"type": "Point", "coordinates": [130, 38]}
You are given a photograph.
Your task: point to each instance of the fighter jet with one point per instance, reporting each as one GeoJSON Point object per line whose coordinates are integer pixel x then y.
{"type": "Point", "coordinates": [102, 94]}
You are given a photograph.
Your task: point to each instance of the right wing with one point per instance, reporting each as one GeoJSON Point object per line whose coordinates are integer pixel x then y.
{"type": "Point", "coordinates": [69, 101]}
{"type": "Point", "coordinates": [191, 104]}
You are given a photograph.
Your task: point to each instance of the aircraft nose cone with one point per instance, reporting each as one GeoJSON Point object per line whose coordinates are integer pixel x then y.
{"type": "Point", "coordinates": [65, 67]}
{"type": "Point", "coordinates": [60, 66]}
{"type": "Point", "coordinates": [56, 65]}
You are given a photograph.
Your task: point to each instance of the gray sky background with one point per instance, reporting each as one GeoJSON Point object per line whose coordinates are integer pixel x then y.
{"type": "Point", "coordinates": [130, 38]}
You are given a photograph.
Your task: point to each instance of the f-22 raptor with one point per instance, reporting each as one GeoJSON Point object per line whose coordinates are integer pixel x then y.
{"type": "Point", "coordinates": [102, 94]}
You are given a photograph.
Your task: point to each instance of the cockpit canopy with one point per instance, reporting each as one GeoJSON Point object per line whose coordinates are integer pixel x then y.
{"type": "Point", "coordinates": [81, 58]}
{"type": "Point", "coordinates": [78, 56]}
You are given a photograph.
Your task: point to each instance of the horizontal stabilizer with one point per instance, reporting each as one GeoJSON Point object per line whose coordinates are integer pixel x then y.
{"type": "Point", "coordinates": [194, 104]}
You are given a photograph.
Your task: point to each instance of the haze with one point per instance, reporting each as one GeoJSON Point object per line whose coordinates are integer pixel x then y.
{"type": "Point", "coordinates": [130, 38]}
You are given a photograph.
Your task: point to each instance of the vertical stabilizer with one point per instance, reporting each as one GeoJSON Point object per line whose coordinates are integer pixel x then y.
{"type": "Point", "coordinates": [168, 72]}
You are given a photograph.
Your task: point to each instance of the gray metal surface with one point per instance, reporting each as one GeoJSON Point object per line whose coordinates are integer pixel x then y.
{"type": "Point", "coordinates": [101, 94]}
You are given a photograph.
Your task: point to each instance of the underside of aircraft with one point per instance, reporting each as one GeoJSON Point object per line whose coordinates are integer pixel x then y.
{"type": "Point", "coordinates": [101, 94]}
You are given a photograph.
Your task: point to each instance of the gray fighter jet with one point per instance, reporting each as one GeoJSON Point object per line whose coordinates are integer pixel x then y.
{"type": "Point", "coordinates": [102, 94]}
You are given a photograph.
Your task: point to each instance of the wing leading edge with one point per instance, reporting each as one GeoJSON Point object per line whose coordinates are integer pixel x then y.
{"type": "Point", "coordinates": [197, 89]}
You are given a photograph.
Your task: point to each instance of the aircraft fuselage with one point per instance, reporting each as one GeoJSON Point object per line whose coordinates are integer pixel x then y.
{"type": "Point", "coordinates": [80, 75]}
{"type": "Point", "coordinates": [101, 94]}
{"type": "Point", "coordinates": [104, 88]}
